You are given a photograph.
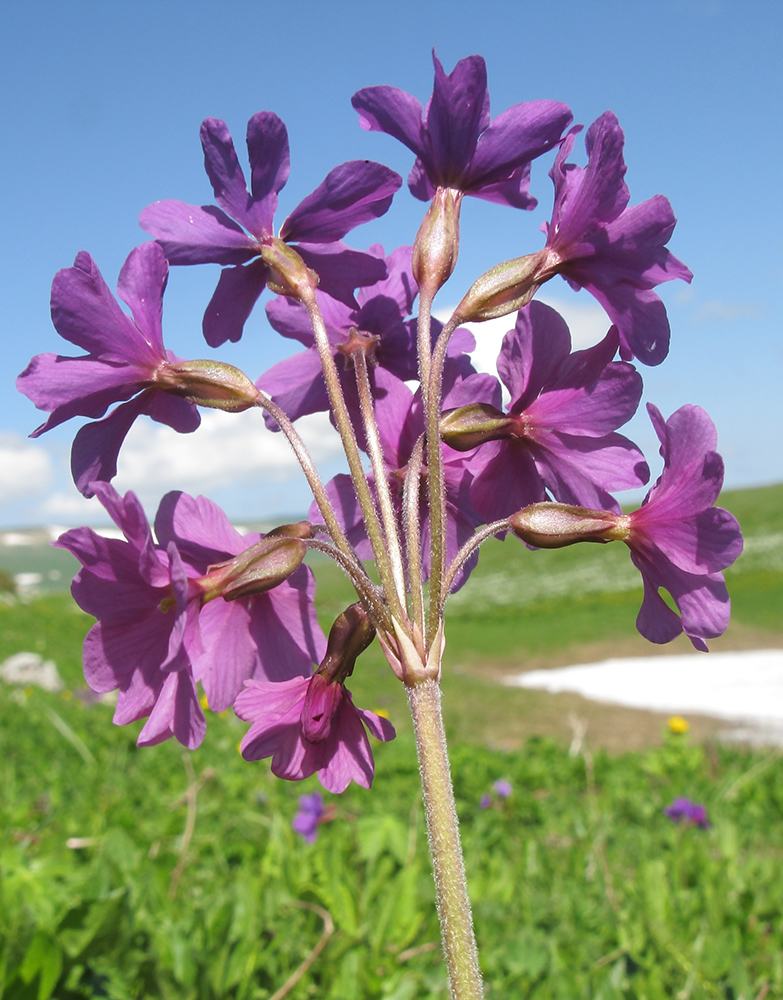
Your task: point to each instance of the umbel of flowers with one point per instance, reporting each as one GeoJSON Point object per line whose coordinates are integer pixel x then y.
{"type": "Point", "coordinates": [437, 462]}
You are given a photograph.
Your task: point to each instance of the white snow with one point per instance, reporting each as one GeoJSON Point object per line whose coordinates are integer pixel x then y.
{"type": "Point", "coordinates": [744, 687]}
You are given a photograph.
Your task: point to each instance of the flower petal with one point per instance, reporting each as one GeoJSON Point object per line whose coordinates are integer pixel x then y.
{"type": "Point", "coordinates": [353, 193]}
{"type": "Point", "coordinates": [393, 111]}
{"type": "Point", "coordinates": [192, 234]}
{"type": "Point", "coordinates": [238, 290]}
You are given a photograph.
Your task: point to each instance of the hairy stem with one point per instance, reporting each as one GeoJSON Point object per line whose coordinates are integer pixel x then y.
{"type": "Point", "coordinates": [388, 515]}
{"type": "Point", "coordinates": [366, 590]}
{"type": "Point", "coordinates": [466, 551]}
{"type": "Point", "coordinates": [411, 500]}
{"type": "Point", "coordinates": [423, 327]}
{"type": "Point", "coordinates": [459, 943]}
{"type": "Point", "coordinates": [436, 488]}
{"type": "Point", "coordinates": [311, 474]}
{"type": "Point", "coordinates": [345, 429]}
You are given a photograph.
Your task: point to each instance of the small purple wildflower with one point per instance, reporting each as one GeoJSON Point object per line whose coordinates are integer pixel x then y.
{"type": "Point", "coordinates": [688, 813]}
{"type": "Point", "coordinates": [305, 823]}
{"type": "Point", "coordinates": [502, 788]}
{"type": "Point", "coordinates": [485, 801]}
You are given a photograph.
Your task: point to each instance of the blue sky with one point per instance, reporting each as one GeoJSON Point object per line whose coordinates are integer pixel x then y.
{"type": "Point", "coordinates": [102, 105]}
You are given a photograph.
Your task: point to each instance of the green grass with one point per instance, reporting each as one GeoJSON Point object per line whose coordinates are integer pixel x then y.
{"type": "Point", "coordinates": [581, 886]}
{"type": "Point", "coordinates": [189, 883]}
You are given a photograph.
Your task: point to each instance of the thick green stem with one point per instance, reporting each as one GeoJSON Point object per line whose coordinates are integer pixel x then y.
{"type": "Point", "coordinates": [459, 943]}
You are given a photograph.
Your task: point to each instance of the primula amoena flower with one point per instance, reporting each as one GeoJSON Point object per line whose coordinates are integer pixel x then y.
{"type": "Point", "coordinates": [309, 726]}
{"type": "Point", "coordinates": [125, 360]}
{"type": "Point", "coordinates": [562, 417]}
{"type": "Point", "coordinates": [456, 144]}
{"type": "Point", "coordinates": [240, 232]}
{"type": "Point", "coordinates": [595, 241]}
{"type": "Point", "coordinates": [156, 638]}
{"type": "Point", "coordinates": [679, 541]}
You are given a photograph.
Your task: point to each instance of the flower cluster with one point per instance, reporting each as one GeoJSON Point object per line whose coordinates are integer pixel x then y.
{"type": "Point", "coordinates": [686, 812]}
{"type": "Point", "coordinates": [440, 457]}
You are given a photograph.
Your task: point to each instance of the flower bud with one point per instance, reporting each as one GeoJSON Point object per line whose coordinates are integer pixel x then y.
{"type": "Point", "coordinates": [555, 525]}
{"type": "Point", "coordinates": [468, 426]}
{"type": "Point", "coordinates": [259, 568]}
{"type": "Point", "coordinates": [503, 289]}
{"type": "Point", "coordinates": [436, 248]}
{"type": "Point", "coordinates": [288, 273]}
{"type": "Point", "coordinates": [209, 383]}
{"type": "Point", "coordinates": [350, 635]}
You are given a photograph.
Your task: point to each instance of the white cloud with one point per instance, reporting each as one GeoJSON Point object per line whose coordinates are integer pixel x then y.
{"type": "Point", "coordinates": [26, 468]}
{"type": "Point", "coordinates": [227, 449]}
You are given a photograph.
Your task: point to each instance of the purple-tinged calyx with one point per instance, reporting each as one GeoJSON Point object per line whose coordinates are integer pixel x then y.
{"type": "Point", "coordinates": [555, 525]}
{"type": "Point", "coordinates": [258, 569]}
{"type": "Point", "coordinates": [214, 384]}
{"type": "Point", "coordinates": [351, 633]}
{"type": "Point", "coordinates": [503, 289]}
{"type": "Point", "coordinates": [436, 247]}
{"type": "Point", "coordinates": [466, 427]}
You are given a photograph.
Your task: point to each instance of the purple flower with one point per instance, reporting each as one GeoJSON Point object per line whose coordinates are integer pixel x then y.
{"type": "Point", "coordinates": [689, 813]}
{"type": "Point", "coordinates": [502, 788]}
{"type": "Point", "coordinates": [240, 231]}
{"type": "Point", "coordinates": [485, 801]}
{"type": "Point", "coordinates": [565, 408]}
{"type": "Point", "coordinates": [155, 638]}
{"type": "Point", "coordinates": [307, 726]}
{"type": "Point", "coordinates": [456, 144]}
{"type": "Point", "coordinates": [595, 241]}
{"type": "Point", "coordinates": [679, 541]}
{"type": "Point", "coordinates": [297, 385]}
{"type": "Point", "coordinates": [305, 823]}
{"type": "Point", "coordinates": [125, 360]}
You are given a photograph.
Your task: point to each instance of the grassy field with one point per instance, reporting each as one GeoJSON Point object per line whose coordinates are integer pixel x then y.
{"type": "Point", "coordinates": [128, 873]}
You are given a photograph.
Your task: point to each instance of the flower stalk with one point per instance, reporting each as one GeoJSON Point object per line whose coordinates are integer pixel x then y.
{"type": "Point", "coordinates": [453, 902]}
